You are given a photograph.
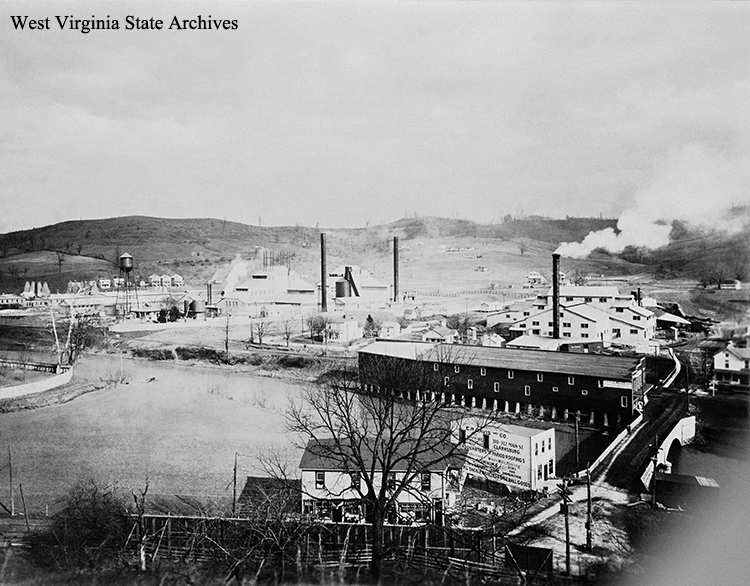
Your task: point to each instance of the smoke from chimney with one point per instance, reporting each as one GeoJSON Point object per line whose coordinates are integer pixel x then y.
{"type": "Point", "coordinates": [693, 184]}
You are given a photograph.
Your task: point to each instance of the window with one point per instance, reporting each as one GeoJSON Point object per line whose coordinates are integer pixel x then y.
{"type": "Point", "coordinates": [551, 467]}
{"type": "Point", "coordinates": [535, 332]}
{"type": "Point", "coordinates": [539, 377]}
{"type": "Point", "coordinates": [623, 401]}
{"type": "Point", "coordinates": [527, 390]}
{"type": "Point", "coordinates": [470, 384]}
{"type": "Point", "coordinates": [616, 332]}
{"type": "Point", "coordinates": [320, 480]}
{"type": "Point", "coordinates": [550, 324]}
{"type": "Point", "coordinates": [510, 374]}
{"type": "Point", "coordinates": [633, 331]}
{"type": "Point", "coordinates": [526, 314]}
{"type": "Point", "coordinates": [486, 441]}
{"type": "Point", "coordinates": [426, 481]}
{"type": "Point", "coordinates": [539, 472]}
{"type": "Point", "coordinates": [584, 326]}
{"type": "Point", "coordinates": [462, 436]}
{"type": "Point", "coordinates": [457, 369]}
{"type": "Point", "coordinates": [391, 481]}
{"type": "Point", "coordinates": [566, 324]}
{"type": "Point", "coordinates": [619, 310]}
{"type": "Point", "coordinates": [584, 392]}
{"type": "Point", "coordinates": [584, 335]}
{"type": "Point", "coordinates": [496, 387]}
{"type": "Point", "coordinates": [535, 323]}
{"type": "Point", "coordinates": [542, 446]}
{"type": "Point", "coordinates": [566, 334]}
{"type": "Point", "coordinates": [555, 389]}
{"type": "Point", "coordinates": [483, 371]}
{"type": "Point", "coordinates": [536, 449]}
{"type": "Point", "coordinates": [636, 318]}
{"type": "Point", "coordinates": [571, 380]}
{"type": "Point", "coordinates": [356, 479]}
{"type": "Point", "coordinates": [568, 299]}
{"type": "Point", "coordinates": [446, 381]}
{"type": "Point", "coordinates": [601, 383]}
{"type": "Point", "coordinates": [549, 440]}
{"type": "Point", "coordinates": [602, 300]}
{"type": "Point", "coordinates": [435, 367]}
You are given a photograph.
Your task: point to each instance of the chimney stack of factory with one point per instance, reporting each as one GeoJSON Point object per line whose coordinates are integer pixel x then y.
{"type": "Point", "coordinates": [555, 295]}
{"type": "Point", "coordinates": [323, 274]}
{"type": "Point", "coordinates": [395, 269]}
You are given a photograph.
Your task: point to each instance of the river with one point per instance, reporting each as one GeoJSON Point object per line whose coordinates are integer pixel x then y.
{"type": "Point", "coordinates": [176, 426]}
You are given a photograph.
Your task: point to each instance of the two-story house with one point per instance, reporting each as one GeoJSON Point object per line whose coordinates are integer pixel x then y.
{"type": "Point", "coordinates": [732, 369]}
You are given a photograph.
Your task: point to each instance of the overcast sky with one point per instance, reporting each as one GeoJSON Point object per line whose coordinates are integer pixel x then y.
{"type": "Point", "coordinates": [350, 112]}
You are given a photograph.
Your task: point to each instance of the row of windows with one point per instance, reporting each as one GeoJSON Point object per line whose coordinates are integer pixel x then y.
{"type": "Point", "coordinates": [425, 480]}
{"type": "Point", "coordinates": [511, 374]}
{"type": "Point", "coordinates": [549, 446]}
{"type": "Point", "coordinates": [527, 390]}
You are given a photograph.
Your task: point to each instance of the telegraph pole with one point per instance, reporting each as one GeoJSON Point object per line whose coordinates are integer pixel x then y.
{"type": "Point", "coordinates": [578, 454]}
{"type": "Point", "coordinates": [234, 487]}
{"type": "Point", "coordinates": [10, 473]}
{"type": "Point", "coordinates": [589, 539]}
{"type": "Point", "coordinates": [564, 506]}
{"type": "Point", "coordinates": [654, 448]}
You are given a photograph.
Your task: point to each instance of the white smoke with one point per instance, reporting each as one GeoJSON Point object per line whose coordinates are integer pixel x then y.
{"type": "Point", "coordinates": [239, 271]}
{"type": "Point", "coordinates": [693, 184]}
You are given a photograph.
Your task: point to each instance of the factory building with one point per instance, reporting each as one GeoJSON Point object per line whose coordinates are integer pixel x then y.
{"type": "Point", "coordinates": [608, 391]}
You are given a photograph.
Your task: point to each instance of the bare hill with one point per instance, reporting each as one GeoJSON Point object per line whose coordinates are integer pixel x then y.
{"type": "Point", "coordinates": [198, 248]}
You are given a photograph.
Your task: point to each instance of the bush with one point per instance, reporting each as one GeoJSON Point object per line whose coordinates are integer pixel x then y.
{"type": "Point", "coordinates": [153, 354]}
{"type": "Point", "coordinates": [293, 361]}
{"type": "Point", "coordinates": [90, 530]}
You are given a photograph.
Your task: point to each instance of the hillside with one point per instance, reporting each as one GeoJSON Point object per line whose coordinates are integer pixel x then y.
{"type": "Point", "coordinates": [202, 249]}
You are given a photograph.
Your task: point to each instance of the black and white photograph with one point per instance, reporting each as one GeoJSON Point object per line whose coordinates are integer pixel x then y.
{"type": "Point", "coordinates": [339, 292]}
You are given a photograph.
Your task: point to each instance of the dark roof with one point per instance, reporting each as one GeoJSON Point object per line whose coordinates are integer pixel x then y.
{"type": "Point", "coordinates": [598, 365]}
{"type": "Point", "coordinates": [323, 455]}
{"type": "Point", "coordinates": [260, 488]}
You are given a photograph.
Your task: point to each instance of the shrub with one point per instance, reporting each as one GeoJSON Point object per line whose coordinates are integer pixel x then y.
{"type": "Point", "coordinates": [90, 530]}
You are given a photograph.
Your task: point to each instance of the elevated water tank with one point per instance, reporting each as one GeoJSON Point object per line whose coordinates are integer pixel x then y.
{"type": "Point", "coordinates": [126, 263]}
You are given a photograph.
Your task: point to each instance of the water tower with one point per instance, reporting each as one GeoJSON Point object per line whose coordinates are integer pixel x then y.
{"type": "Point", "coordinates": [128, 286]}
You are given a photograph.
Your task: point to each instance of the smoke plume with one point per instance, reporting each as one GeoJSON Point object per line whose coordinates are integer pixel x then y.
{"type": "Point", "coordinates": [694, 184]}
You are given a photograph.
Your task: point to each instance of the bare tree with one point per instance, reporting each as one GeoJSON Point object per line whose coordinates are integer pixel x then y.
{"type": "Point", "coordinates": [522, 247]}
{"type": "Point", "coordinates": [289, 329]}
{"type": "Point", "coordinates": [318, 324]}
{"type": "Point", "coordinates": [386, 436]}
{"type": "Point", "coordinates": [263, 327]}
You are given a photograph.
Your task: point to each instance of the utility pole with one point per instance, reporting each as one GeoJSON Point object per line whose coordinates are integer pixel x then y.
{"type": "Point", "coordinates": [564, 508]}
{"type": "Point", "coordinates": [578, 451]}
{"type": "Point", "coordinates": [589, 539]}
{"type": "Point", "coordinates": [654, 448]}
{"type": "Point", "coordinates": [234, 487]}
{"type": "Point", "coordinates": [10, 473]}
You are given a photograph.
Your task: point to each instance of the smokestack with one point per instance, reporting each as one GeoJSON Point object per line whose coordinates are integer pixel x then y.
{"type": "Point", "coordinates": [323, 274]}
{"type": "Point", "coordinates": [208, 293]}
{"type": "Point", "coordinates": [555, 295]}
{"type": "Point", "coordinates": [395, 269]}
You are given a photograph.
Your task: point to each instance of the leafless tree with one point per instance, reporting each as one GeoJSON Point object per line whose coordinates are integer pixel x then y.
{"type": "Point", "coordinates": [289, 329]}
{"type": "Point", "coordinates": [318, 325]}
{"type": "Point", "coordinates": [263, 327]}
{"type": "Point", "coordinates": [522, 247]}
{"type": "Point", "coordinates": [398, 424]}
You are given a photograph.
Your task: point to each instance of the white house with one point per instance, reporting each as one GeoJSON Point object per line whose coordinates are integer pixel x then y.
{"type": "Point", "coordinates": [331, 490]}
{"type": "Point", "coordinates": [536, 278]}
{"type": "Point", "coordinates": [389, 329]}
{"type": "Point", "coordinates": [165, 280]}
{"type": "Point", "coordinates": [155, 280]}
{"type": "Point", "coordinates": [344, 330]}
{"type": "Point", "coordinates": [732, 369]}
{"type": "Point", "coordinates": [177, 280]}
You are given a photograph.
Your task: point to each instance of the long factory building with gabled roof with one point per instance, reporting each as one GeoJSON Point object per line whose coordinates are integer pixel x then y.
{"type": "Point", "coordinates": [608, 391]}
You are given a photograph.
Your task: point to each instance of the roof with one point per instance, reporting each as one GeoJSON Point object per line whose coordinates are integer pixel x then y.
{"type": "Point", "coordinates": [662, 315]}
{"type": "Point", "coordinates": [323, 454]}
{"type": "Point", "coordinates": [741, 353]}
{"type": "Point", "coordinates": [596, 365]}
{"type": "Point", "coordinates": [587, 291]}
{"type": "Point", "coordinates": [260, 488]}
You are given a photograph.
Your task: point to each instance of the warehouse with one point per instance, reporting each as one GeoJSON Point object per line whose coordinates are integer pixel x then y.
{"type": "Point", "coordinates": [608, 391]}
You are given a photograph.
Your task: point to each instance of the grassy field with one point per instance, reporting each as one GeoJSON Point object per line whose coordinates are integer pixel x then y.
{"type": "Point", "coordinates": [179, 431]}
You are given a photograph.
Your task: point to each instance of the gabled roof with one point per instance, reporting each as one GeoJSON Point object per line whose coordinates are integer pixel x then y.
{"type": "Point", "coordinates": [587, 291]}
{"type": "Point", "coordinates": [741, 353]}
{"type": "Point", "coordinates": [595, 365]}
{"type": "Point", "coordinates": [326, 454]}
